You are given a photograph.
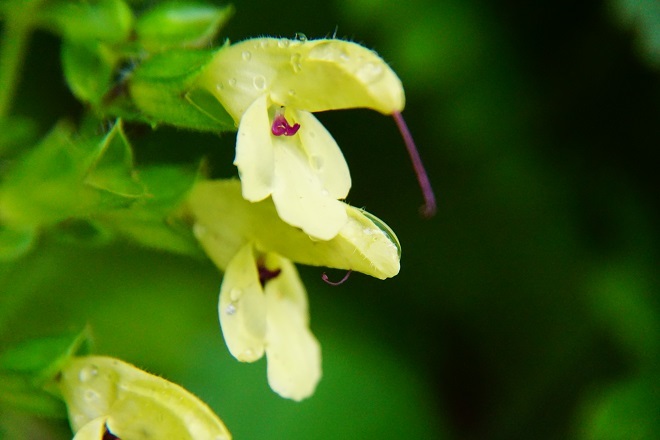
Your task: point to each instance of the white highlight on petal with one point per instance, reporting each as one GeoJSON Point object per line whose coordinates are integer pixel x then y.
{"type": "Point", "coordinates": [254, 151]}
{"type": "Point", "coordinates": [244, 329]}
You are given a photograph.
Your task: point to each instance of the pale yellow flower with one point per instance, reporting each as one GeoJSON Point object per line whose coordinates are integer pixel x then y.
{"type": "Point", "coordinates": [271, 87]}
{"type": "Point", "coordinates": [263, 304]}
{"type": "Point", "coordinates": [105, 395]}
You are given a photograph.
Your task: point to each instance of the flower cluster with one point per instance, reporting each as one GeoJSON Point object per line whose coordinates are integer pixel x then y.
{"type": "Point", "coordinates": [288, 205]}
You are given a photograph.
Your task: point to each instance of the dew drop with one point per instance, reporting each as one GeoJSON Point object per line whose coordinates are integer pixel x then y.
{"type": "Point", "coordinates": [283, 42]}
{"type": "Point", "coordinates": [301, 37]}
{"type": "Point", "coordinates": [317, 162]}
{"type": "Point", "coordinates": [247, 354]}
{"type": "Point", "coordinates": [246, 55]}
{"type": "Point", "coordinates": [90, 395]}
{"type": "Point", "coordinates": [199, 230]}
{"type": "Point", "coordinates": [232, 82]}
{"type": "Point", "coordinates": [259, 82]}
{"type": "Point", "coordinates": [219, 86]}
{"type": "Point", "coordinates": [369, 72]}
{"type": "Point", "coordinates": [343, 56]}
{"type": "Point", "coordinates": [235, 294]}
{"type": "Point", "coordinates": [295, 62]}
{"type": "Point", "coordinates": [88, 373]}
{"type": "Point", "coordinates": [263, 43]}
{"type": "Point", "coordinates": [230, 309]}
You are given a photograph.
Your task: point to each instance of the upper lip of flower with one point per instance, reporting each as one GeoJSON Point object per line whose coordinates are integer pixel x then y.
{"type": "Point", "coordinates": [224, 222]}
{"type": "Point", "coordinates": [263, 81]}
{"type": "Point", "coordinates": [314, 75]}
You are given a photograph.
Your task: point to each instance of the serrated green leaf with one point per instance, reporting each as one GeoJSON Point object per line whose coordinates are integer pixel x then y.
{"type": "Point", "coordinates": [149, 221]}
{"type": "Point", "coordinates": [108, 21]}
{"type": "Point", "coordinates": [45, 185]}
{"type": "Point", "coordinates": [181, 24]}
{"type": "Point", "coordinates": [209, 105]}
{"type": "Point", "coordinates": [88, 69]}
{"type": "Point", "coordinates": [160, 88]}
{"type": "Point", "coordinates": [113, 172]}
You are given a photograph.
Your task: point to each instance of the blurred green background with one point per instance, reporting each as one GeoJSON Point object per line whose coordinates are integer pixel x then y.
{"type": "Point", "coordinates": [528, 308]}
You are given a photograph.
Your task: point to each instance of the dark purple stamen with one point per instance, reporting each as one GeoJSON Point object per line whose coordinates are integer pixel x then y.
{"type": "Point", "coordinates": [428, 210]}
{"type": "Point", "coordinates": [107, 435]}
{"type": "Point", "coordinates": [281, 126]}
{"type": "Point", "coordinates": [266, 274]}
{"type": "Point", "coordinates": [325, 278]}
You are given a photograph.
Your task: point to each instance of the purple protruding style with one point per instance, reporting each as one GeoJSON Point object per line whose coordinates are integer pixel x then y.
{"type": "Point", "coordinates": [428, 210]}
{"type": "Point", "coordinates": [325, 278]}
{"type": "Point", "coordinates": [281, 126]}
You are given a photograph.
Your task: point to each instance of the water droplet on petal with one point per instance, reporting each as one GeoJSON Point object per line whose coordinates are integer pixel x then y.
{"type": "Point", "coordinates": [259, 82]}
{"type": "Point", "coordinates": [246, 354]}
{"type": "Point", "coordinates": [317, 162]}
{"type": "Point", "coordinates": [369, 72]}
{"type": "Point", "coordinates": [263, 43]}
{"type": "Point", "coordinates": [230, 309]}
{"type": "Point", "coordinates": [232, 82]}
{"type": "Point", "coordinates": [283, 42]}
{"type": "Point", "coordinates": [301, 37]}
{"type": "Point", "coordinates": [199, 230]}
{"type": "Point", "coordinates": [295, 62]}
{"type": "Point", "coordinates": [88, 373]}
{"type": "Point", "coordinates": [219, 86]}
{"type": "Point", "coordinates": [90, 395]}
{"type": "Point", "coordinates": [235, 294]}
{"type": "Point", "coordinates": [246, 55]}
{"type": "Point", "coordinates": [343, 56]}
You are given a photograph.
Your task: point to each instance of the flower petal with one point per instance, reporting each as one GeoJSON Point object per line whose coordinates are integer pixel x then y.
{"type": "Point", "coordinates": [314, 75]}
{"type": "Point", "coordinates": [134, 404]}
{"type": "Point", "coordinates": [299, 196]}
{"type": "Point", "coordinates": [324, 155]}
{"type": "Point", "coordinates": [254, 151]}
{"type": "Point", "coordinates": [294, 354]}
{"type": "Point", "coordinates": [364, 243]}
{"type": "Point", "coordinates": [93, 430]}
{"type": "Point", "coordinates": [242, 307]}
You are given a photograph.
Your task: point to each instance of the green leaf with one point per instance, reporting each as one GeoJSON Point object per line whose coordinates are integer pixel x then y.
{"type": "Point", "coordinates": [181, 24]}
{"type": "Point", "coordinates": [14, 243]}
{"type": "Point", "coordinates": [88, 69]}
{"type": "Point", "coordinates": [45, 185]}
{"type": "Point", "coordinates": [161, 89]}
{"type": "Point", "coordinates": [151, 220]}
{"type": "Point", "coordinates": [66, 177]}
{"type": "Point", "coordinates": [15, 133]}
{"type": "Point", "coordinates": [108, 21]}
{"type": "Point", "coordinates": [26, 372]}
{"type": "Point", "coordinates": [114, 170]}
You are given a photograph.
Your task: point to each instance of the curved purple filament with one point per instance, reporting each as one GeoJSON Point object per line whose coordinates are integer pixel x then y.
{"type": "Point", "coordinates": [429, 208]}
{"type": "Point", "coordinates": [325, 278]}
{"type": "Point", "coordinates": [281, 126]}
